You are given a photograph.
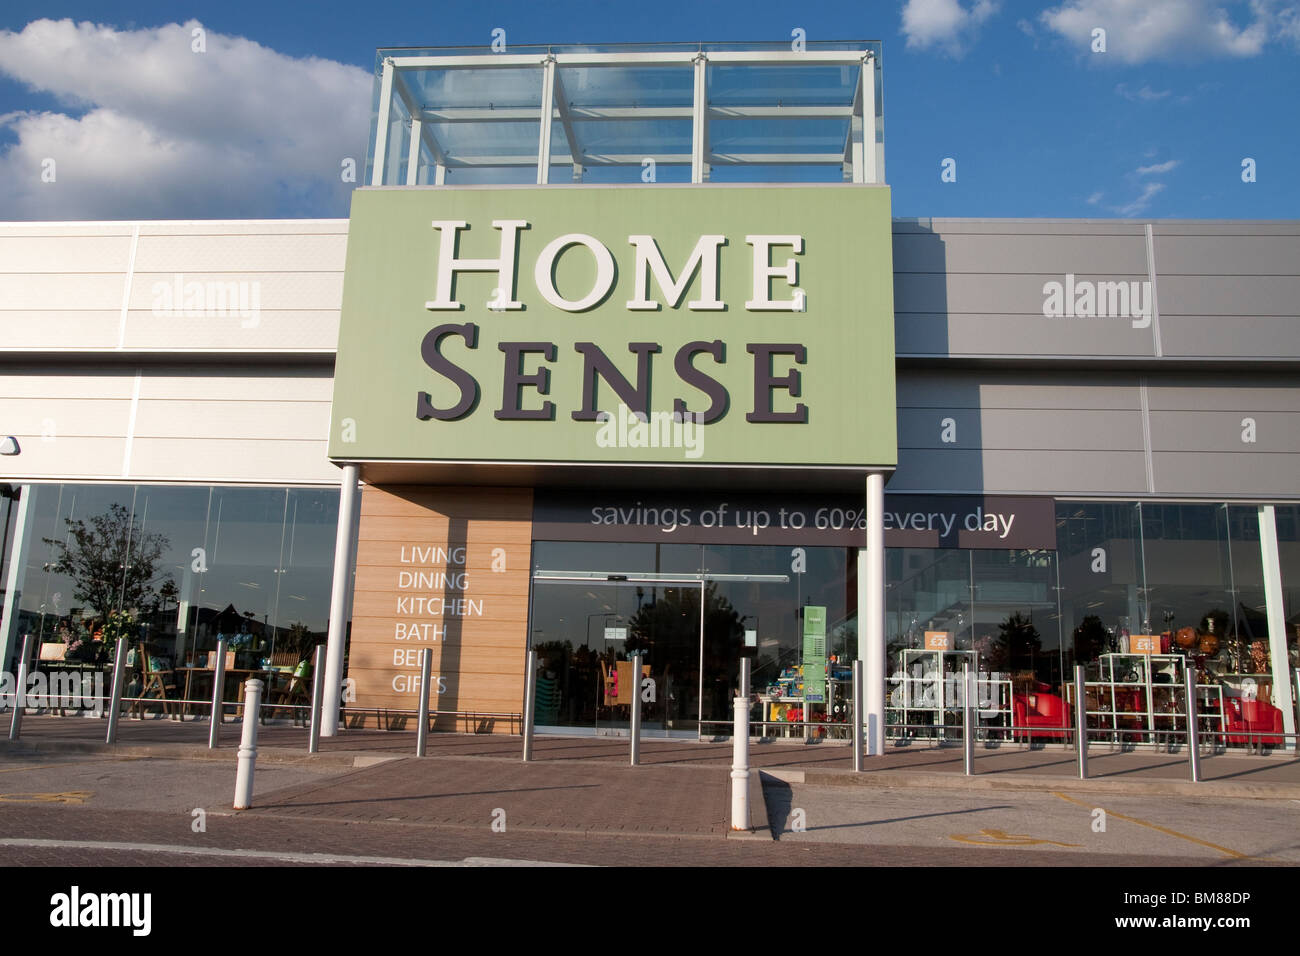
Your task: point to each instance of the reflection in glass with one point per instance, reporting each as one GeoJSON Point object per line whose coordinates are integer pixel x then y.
{"type": "Point", "coordinates": [177, 567]}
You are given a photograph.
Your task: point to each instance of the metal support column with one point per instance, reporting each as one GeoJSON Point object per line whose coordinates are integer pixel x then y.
{"type": "Point", "coordinates": [968, 720]}
{"type": "Point", "coordinates": [119, 682]}
{"type": "Point", "coordinates": [634, 723]}
{"type": "Point", "coordinates": [218, 692]}
{"type": "Point", "coordinates": [699, 700]}
{"type": "Point", "coordinates": [1276, 620]}
{"type": "Point", "coordinates": [20, 691]}
{"type": "Point", "coordinates": [1193, 737]}
{"type": "Point", "coordinates": [1080, 721]}
{"type": "Point", "coordinates": [870, 170]}
{"type": "Point", "coordinates": [382, 123]}
{"type": "Point", "coordinates": [858, 762]}
{"type": "Point", "coordinates": [530, 701]}
{"type": "Point", "coordinates": [871, 616]}
{"type": "Point", "coordinates": [699, 121]}
{"type": "Point", "coordinates": [422, 730]}
{"type": "Point", "coordinates": [340, 587]}
{"type": "Point", "coordinates": [548, 111]}
{"type": "Point", "coordinates": [317, 695]}
{"type": "Point", "coordinates": [413, 155]}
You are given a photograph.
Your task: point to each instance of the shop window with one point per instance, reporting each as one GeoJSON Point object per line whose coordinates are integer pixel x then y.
{"type": "Point", "coordinates": [178, 567]}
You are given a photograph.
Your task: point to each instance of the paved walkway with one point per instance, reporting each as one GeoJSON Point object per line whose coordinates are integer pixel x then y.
{"type": "Point", "coordinates": [1275, 775]}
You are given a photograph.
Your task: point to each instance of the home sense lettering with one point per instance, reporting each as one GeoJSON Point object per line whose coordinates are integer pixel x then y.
{"type": "Point", "coordinates": [774, 363]}
{"type": "Point", "coordinates": [649, 262]}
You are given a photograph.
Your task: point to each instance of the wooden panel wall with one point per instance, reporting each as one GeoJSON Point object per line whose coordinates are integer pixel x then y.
{"type": "Point", "coordinates": [445, 569]}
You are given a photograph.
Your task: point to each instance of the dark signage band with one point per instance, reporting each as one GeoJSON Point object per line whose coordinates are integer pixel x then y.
{"type": "Point", "coordinates": [911, 521]}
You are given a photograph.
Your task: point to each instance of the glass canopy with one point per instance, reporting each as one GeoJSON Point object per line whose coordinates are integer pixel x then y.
{"type": "Point", "coordinates": [628, 114]}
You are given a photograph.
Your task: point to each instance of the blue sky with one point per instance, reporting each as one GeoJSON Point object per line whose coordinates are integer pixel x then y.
{"type": "Point", "coordinates": [1157, 126]}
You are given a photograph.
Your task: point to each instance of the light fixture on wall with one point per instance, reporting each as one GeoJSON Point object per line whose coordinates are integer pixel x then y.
{"type": "Point", "coordinates": [9, 445]}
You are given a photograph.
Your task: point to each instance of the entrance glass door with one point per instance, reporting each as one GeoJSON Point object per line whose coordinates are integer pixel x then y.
{"type": "Point", "coordinates": [689, 610]}
{"type": "Point", "coordinates": [586, 627]}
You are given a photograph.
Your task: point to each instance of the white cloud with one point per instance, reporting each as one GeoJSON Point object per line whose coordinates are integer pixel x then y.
{"type": "Point", "coordinates": [1145, 95]}
{"type": "Point", "coordinates": [1288, 25]}
{"type": "Point", "coordinates": [1157, 168]}
{"type": "Point", "coordinates": [155, 130]}
{"type": "Point", "coordinates": [1142, 202]}
{"type": "Point", "coordinates": [1095, 198]}
{"type": "Point", "coordinates": [949, 25]}
{"type": "Point", "coordinates": [1138, 31]}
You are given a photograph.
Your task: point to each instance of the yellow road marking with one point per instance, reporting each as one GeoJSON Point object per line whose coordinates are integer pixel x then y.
{"type": "Point", "coordinates": [48, 766]}
{"type": "Point", "coordinates": [1002, 838]}
{"type": "Point", "coordinates": [71, 796]}
{"type": "Point", "coordinates": [69, 763]}
{"type": "Point", "coordinates": [40, 766]}
{"type": "Point", "coordinates": [1155, 826]}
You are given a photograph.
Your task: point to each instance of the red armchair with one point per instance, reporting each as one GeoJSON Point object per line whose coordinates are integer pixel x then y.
{"type": "Point", "coordinates": [1252, 722]}
{"type": "Point", "coordinates": [1040, 710]}
{"type": "Point", "coordinates": [1261, 717]}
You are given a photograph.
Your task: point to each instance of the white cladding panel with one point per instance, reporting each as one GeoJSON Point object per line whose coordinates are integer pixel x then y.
{"type": "Point", "coordinates": [273, 286]}
{"type": "Point", "coordinates": [202, 423]}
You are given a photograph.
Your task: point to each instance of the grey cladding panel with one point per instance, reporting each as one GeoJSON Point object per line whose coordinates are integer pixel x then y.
{"type": "Point", "coordinates": [1027, 431]}
{"type": "Point", "coordinates": [1222, 227]}
{"type": "Point", "coordinates": [1022, 429]}
{"type": "Point", "coordinates": [1228, 295]}
{"type": "Point", "coordinates": [956, 470]}
{"type": "Point", "coordinates": [1003, 314]}
{"type": "Point", "coordinates": [1227, 255]}
{"type": "Point", "coordinates": [1222, 432]}
{"type": "Point", "coordinates": [1025, 227]}
{"type": "Point", "coordinates": [1032, 389]}
{"type": "Point", "coordinates": [993, 293]}
{"type": "Point", "coordinates": [1239, 392]}
{"type": "Point", "coordinates": [1210, 475]}
{"type": "Point", "coordinates": [1018, 253]}
{"type": "Point", "coordinates": [1020, 335]}
{"type": "Point", "coordinates": [974, 287]}
{"type": "Point", "coordinates": [1219, 336]}
{"type": "Point", "coordinates": [1021, 472]}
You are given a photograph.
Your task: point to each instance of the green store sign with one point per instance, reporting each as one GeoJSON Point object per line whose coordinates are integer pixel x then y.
{"type": "Point", "coordinates": [693, 325]}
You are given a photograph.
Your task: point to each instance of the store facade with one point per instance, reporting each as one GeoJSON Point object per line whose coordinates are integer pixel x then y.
{"type": "Point", "coordinates": [662, 375]}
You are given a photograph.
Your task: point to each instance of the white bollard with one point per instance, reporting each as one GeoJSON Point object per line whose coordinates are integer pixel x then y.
{"type": "Point", "coordinates": [740, 766]}
{"type": "Point", "coordinates": [248, 745]}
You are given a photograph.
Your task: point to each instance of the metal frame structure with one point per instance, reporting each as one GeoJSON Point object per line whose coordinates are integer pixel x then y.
{"type": "Point", "coordinates": [861, 159]}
